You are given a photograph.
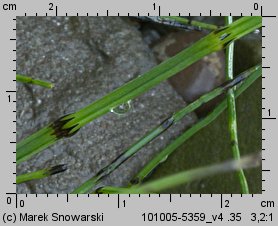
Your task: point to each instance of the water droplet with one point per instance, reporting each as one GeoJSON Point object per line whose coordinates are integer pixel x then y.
{"type": "Point", "coordinates": [122, 108]}
{"type": "Point", "coordinates": [38, 102]}
{"type": "Point", "coordinates": [257, 31]}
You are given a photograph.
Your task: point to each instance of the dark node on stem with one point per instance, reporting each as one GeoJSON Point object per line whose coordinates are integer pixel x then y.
{"type": "Point", "coordinates": [233, 143]}
{"type": "Point", "coordinates": [173, 23]}
{"type": "Point", "coordinates": [102, 172]}
{"type": "Point", "coordinates": [98, 191]}
{"type": "Point", "coordinates": [138, 180]}
{"type": "Point", "coordinates": [61, 132]}
{"type": "Point", "coordinates": [135, 181]}
{"type": "Point", "coordinates": [57, 169]}
{"type": "Point", "coordinates": [106, 170]}
{"type": "Point", "coordinates": [227, 43]}
{"type": "Point", "coordinates": [234, 82]}
{"type": "Point", "coordinates": [167, 123]}
{"type": "Point", "coordinates": [222, 37]}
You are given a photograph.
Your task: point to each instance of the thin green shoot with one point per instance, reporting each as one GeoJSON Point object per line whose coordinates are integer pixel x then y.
{"type": "Point", "coordinates": [232, 118]}
{"type": "Point", "coordinates": [40, 174]}
{"type": "Point", "coordinates": [187, 176]}
{"type": "Point", "coordinates": [28, 80]}
{"type": "Point", "coordinates": [166, 124]}
{"type": "Point", "coordinates": [179, 22]}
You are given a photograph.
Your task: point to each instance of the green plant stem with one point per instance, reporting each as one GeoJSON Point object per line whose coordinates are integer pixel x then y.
{"type": "Point", "coordinates": [166, 124]}
{"type": "Point", "coordinates": [186, 176]}
{"type": "Point", "coordinates": [195, 24]}
{"type": "Point", "coordinates": [40, 174]}
{"type": "Point", "coordinates": [163, 155]}
{"type": "Point", "coordinates": [232, 118]}
{"type": "Point", "coordinates": [68, 125]}
{"type": "Point", "coordinates": [179, 22]}
{"type": "Point", "coordinates": [26, 79]}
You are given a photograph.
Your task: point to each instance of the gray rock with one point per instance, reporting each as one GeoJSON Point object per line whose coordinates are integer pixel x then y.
{"type": "Point", "coordinates": [87, 58]}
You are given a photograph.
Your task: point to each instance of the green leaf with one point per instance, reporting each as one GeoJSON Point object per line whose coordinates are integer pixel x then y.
{"type": "Point", "coordinates": [28, 80]}
{"type": "Point", "coordinates": [40, 174]}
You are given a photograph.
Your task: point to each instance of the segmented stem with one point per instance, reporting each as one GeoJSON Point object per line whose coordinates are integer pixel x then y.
{"type": "Point", "coordinates": [232, 118]}
{"type": "Point", "coordinates": [28, 80]}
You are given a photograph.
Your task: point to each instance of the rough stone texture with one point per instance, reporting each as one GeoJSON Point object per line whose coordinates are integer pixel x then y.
{"type": "Point", "coordinates": [86, 58]}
